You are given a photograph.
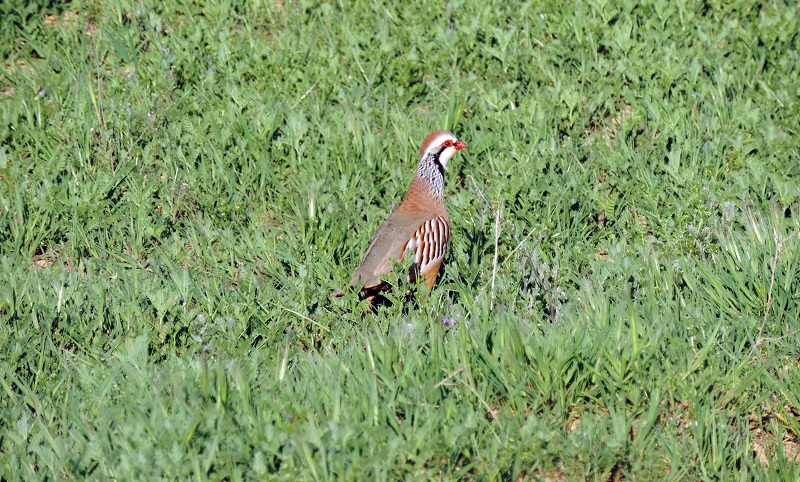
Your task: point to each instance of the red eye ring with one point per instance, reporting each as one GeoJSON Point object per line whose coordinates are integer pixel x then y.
{"type": "Point", "coordinates": [448, 143]}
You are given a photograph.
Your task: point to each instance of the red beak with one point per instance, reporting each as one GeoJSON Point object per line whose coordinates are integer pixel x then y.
{"type": "Point", "coordinates": [460, 145]}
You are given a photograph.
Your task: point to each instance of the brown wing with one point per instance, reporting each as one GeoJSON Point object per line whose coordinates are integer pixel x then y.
{"type": "Point", "coordinates": [390, 243]}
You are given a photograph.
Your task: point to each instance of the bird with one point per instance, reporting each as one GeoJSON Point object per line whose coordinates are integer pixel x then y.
{"type": "Point", "coordinates": [419, 227]}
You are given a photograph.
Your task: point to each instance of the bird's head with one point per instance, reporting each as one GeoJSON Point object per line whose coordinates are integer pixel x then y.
{"type": "Point", "coordinates": [442, 145]}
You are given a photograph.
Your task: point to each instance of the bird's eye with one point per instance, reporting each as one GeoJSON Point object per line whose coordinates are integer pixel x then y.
{"type": "Point", "coordinates": [448, 143]}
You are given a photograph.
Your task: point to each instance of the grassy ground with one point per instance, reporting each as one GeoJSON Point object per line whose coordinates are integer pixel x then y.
{"type": "Point", "coordinates": [182, 185]}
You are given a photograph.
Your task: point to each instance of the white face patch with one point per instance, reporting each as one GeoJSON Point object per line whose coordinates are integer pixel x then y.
{"type": "Point", "coordinates": [446, 154]}
{"type": "Point", "coordinates": [436, 143]}
{"type": "Point", "coordinates": [435, 151]}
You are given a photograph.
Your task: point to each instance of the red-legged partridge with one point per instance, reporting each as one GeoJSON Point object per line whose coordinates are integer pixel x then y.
{"type": "Point", "coordinates": [418, 227]}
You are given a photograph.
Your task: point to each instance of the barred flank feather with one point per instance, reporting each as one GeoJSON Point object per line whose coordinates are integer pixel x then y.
{"type": "Point", "coordinates": [429, 245]}
{"type": "Point", "coordinates": [419, 223]}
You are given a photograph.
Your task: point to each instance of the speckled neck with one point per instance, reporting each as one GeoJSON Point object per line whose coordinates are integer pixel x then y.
{"type": "Point", "coordinates": [431, 170]}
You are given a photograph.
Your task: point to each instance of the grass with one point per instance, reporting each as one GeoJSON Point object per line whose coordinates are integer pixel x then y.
{"type": "Point", "coordinates": [183, 184]}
